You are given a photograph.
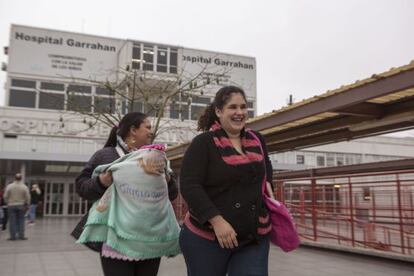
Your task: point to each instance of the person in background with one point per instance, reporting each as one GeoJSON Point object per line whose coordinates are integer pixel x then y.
{"type": "Point", "coordinates": [3, 206]}
{"type": "Point", "coordinates": [35, 195]}
{"type": "Point", "coordinates": [226, 229]}
{"type": "Point", "coordinates": [17, 196]}
{"type": "Point", "coordinates": [133, 132]}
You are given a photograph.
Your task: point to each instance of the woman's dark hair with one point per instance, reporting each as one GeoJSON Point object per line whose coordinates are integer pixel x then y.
{"type": "Point", "coordinates": [209, 117]}
{"type": "Point", "coordinates": [122, 129]}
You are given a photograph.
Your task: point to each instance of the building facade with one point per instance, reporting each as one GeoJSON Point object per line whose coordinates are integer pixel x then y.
{"type": "Point", "coordinates": [57, 79]}
{"type": "Point", "coordinates": [365, 150]}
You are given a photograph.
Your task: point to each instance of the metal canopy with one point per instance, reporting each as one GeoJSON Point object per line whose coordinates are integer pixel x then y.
{"type": "Point", "coordinates": [380, 104]}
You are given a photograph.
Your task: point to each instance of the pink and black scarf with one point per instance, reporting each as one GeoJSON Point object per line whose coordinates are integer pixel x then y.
{"type": "Point", "coordinates": [250, 146]}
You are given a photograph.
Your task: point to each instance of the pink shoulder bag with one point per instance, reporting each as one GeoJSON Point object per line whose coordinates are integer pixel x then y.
{"type": "Point", "coordinates": [283, 233]}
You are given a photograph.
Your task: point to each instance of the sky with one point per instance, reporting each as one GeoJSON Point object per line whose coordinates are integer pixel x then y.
{"type": "Point", "coordinates": [302, 47]}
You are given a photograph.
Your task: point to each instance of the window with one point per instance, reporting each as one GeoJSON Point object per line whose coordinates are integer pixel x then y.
{"type": "Point", "coordinates": [196, 111]}
{"type": "Point", "coordinates": [320, 161]}
{"type": "Point", "coordinates": [176, 110]}
{"type": "Point", "coordinates": [173, 61]}
{"type": "Point", "coordinates": [162, 60]}
{"type": "Point", "coordinates": [103, 91]}
{"type": "Point", "coordinates": [148, 57]}
{"type": "Point", "coordinates": [80, 103]}
{"type": "Point", "coordinates": [51, 100]}
{"type": "Point", "coordinates": [339, 160]}
{"type": "Point", "coordinates": [250, 104]}
{"type": "Point", "coordinates": [23, 83]}
{"type": "Point", "coordinates": [201, 100]}
{"type": "Point", "coordinates": [104, 105]}
{"type": "Point", "coordinates": [52, 86]}
{"type": "Point", "coordinates": [300, 159]}
{"type": "Point", "coordinates": [136, 57]}
{"type": "Point", "coordinates": [349, 159]}
{"type": "Point", "coordinates": [79, 88]}
{"type": "Point", "coordinates": [22, 98]}
{"type": "Point", "coordinates": [250, 114]}
{"type": "Point", "coordinates": [330, 160]}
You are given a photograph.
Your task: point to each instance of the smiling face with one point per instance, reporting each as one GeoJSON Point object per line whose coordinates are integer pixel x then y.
{"type": "Point", "coordinates": [233, 115]}
{"type": "Point", "coordinates": [141, 135]}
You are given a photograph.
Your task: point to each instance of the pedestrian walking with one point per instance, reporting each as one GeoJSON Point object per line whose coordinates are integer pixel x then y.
{"type": "Point", "coordinates": [226, 229]}
{"type": "Point", "coordinates": [35, 196]}
{"type": "Point", "coordinates": [132, 133]}
{"type": "Point", "coordinates": [17, 196]}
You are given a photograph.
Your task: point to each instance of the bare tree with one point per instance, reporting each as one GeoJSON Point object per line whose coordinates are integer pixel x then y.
{"type": "Point", "coordinates": [150, 92]}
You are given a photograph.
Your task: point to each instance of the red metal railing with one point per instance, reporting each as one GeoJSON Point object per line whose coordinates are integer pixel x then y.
{"type": "Point", "coordinates": [373, 210]}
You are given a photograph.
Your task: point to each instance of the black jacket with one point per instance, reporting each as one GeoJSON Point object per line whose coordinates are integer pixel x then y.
{"type": "Point", "coordinates": [211, 187]}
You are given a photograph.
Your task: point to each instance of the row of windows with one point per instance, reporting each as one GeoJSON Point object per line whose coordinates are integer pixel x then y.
{"type": "Point", "coordinates": [338, 159]}
{"type": "Point", "coordinates": [84, 98]}
{"type": "Point", "coordinates": [154, 58]}
{"type": "Point", "coordinates": [60, 96]}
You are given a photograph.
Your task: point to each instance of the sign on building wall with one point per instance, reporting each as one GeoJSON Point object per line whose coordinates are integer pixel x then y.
{"type": "Point", "coordinates": [221, 69]}
{"type": "Point", "coordinates": [59, 54]}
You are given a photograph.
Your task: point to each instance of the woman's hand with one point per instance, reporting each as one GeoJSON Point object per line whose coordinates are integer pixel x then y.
{"type": "Point", "coordinates": [106, 179]}
{"type": "Point", "coordinates": [225, 233]}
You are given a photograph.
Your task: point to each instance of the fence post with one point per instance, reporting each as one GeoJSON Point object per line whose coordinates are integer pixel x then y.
{"type": "Point", "coordinates": [314, 214]}
{"type": "Point", "coordinates": [400, 213]}
{"type": "Point", "coordinates": [351, 212]}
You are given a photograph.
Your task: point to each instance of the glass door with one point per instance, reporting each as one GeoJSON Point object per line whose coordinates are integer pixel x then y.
{"type": "Point", "coordinates": [54, 194]}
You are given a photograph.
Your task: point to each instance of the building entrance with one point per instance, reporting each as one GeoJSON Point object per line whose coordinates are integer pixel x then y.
{"type": "Point", "coordinates": [60, 198]}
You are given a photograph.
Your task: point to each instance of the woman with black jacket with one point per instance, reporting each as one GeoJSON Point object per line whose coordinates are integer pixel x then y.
{"type": "Point", "coordinates": [133, 132]}
{"type": "Point", "coordinates": [226, 229]}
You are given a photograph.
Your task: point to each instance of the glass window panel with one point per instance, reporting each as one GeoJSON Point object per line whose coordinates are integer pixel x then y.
{"type": "Point", "coordinates": [162, 56]}
{"type": "Point", "coordinates": [104, 105]}
{"type": "Point", "coordinates": [184, 112]}
{"type": "Point", "coordinates": [250, 104]}
{"type": "Point", "coordinates": [79, 103]}
{"type": "Point", "coordinates": [103, 91]}
{"type": "Point", "coordinates": [174, 111]}
{"type": "Point", "coordinates": [202, 100]}
{"type": "Point", "coordinates": [173, 57]}
{"type": "Point", "coordinates": [52, 86]}
{"type": "Point", "coordinates": [79, 88]}
{"type": "Point", "coordinates": [320, 161]}
{"type": "Point", "coordinates": [22, 98]}
{"type": "Point", "coordinates": [23, 83]}
{"type": "Point", "coordinates": [162, 68]}
{"type": "Point", "coordinates": [173, 70]}
{"type": "Point", "coordinates": [300, 159]}
{"type": "Point", "coordinates": [330, 160]}
{"type": "Point", "coordinates": [137, 106]}
{"type": "Point", "coordinates": [197, 111]}
{"type": "Point", "coordinates": [136, 52]}
{"type": "Point", "coordinates": [51, 101]}
{"type": "Point", "coordinates": [250, 114]}
{"type": "Point", "coordinates": [148, 67]}
{"type": "Point", "coordinates": [149, 58]}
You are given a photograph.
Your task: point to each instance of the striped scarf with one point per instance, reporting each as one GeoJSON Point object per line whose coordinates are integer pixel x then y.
{"type": "Point", "coordinates": [250, 146]}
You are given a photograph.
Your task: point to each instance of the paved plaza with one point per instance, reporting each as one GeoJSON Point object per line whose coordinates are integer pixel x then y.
{"type": "Point", "coordinates": [51, 251]}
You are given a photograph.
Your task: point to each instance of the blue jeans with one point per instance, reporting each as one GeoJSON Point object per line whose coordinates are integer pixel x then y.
{"type": "Point", "coordinates": [16, 221]}
{"type": "Point", "coordinates": [206, 258]}
{"type": "Point", "coordinates": [32, 212]}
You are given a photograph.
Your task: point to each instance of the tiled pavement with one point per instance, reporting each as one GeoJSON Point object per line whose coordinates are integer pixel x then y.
{"type": "Point", "coordinates": [51, 251]}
